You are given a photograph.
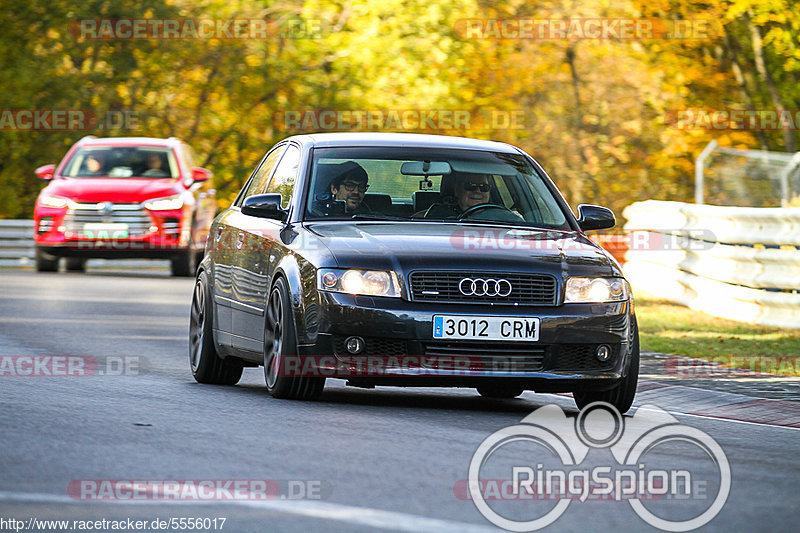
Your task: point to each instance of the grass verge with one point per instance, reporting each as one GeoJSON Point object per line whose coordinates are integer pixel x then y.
{"type": "Point", "coordinates": [671, 328]}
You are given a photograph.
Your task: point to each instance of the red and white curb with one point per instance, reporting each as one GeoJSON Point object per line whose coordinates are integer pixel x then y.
{"type": "Point", "coordinates": [716, 404]}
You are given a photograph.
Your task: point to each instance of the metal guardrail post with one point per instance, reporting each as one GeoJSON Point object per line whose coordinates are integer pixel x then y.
{"type": "Point", "coordinates": [699, 169]}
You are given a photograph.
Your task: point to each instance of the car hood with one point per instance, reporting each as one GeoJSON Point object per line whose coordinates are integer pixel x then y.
{"type": "Point", "coordinates": [120, 190]}
{"type": "Point", "coordinates": [409, 246]}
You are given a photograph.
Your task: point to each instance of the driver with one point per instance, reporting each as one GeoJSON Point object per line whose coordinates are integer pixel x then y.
{"type": "Point", "coordinates": [472, 190]}
{"type": "Point", "coordinates": [154, 166]}
{"type": "Point", "coordinates": [350, 186]}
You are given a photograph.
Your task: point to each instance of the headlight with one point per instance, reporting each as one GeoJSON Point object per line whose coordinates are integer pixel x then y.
{"type": "Point", "coordinates": [165, 204]}
{"type": "Point", "coordinates": [53, 201]}
{"type": "Point", "coordinates": [596, 290]}
{"type": "Point", "coordinates": [367, 282]}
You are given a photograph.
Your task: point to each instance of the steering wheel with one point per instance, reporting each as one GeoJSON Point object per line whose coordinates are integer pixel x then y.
{"type": "Point", "coordinates": [482, 207]}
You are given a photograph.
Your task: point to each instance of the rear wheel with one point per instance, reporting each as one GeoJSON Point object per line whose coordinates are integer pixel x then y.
{"type": "Point", "coordinates": [76, 264]}
{"type": "Point", "coordinates": [207, 366]}
{"type": "Point", "coordinates": [184, 264]}
{"type": "Point", "coordinates": [498, 390]}
{"type": "Point", "coordinates": [45, 262]}
{"type": "Point", "coordinates": [621, 396]}
{"type": "Point", "coordinates": [280, 343]}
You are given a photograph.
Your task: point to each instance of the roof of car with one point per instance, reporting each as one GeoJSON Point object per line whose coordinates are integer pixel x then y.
{"type": "Point", "coordinates": [129, 141]}
{"type": "Point", "coordinates": [402, 139]}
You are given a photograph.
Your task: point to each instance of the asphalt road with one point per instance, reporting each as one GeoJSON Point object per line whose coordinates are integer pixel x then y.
{"type": "Point", "coordinates": [356, 460]}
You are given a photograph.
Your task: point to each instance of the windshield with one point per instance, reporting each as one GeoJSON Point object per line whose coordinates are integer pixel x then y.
{"type": "Point", "coordinates": [425, 184]}
{"type": "Point", "coordinates": [122, 162]}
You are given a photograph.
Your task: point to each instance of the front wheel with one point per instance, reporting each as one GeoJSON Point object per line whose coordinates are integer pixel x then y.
{"type": "Point", "coordinates": [621, 396]}
{"type": "Point", "coordinates": [280, 345]}
{"type": "Point", "coordinates": [207, 366]}
{"type": "Point", "coordinates": [45, 262]}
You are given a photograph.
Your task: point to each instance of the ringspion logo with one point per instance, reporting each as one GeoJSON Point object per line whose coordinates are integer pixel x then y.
{"type": "Point", "coordinates": [556, 470]}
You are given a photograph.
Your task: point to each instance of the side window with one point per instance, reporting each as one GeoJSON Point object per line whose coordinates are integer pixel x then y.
{"type": "Point", "coordinates": [258, 183]}
{"type": "Point", "coordinates": [285, 175]}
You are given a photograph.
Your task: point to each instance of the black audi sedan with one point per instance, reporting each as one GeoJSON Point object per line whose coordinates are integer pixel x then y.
{"type": "Point", "coordinates": [412, 260]}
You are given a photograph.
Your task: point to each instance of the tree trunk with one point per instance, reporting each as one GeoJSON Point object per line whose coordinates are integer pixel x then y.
{"type": "Point", "coordinates": [766, 77]}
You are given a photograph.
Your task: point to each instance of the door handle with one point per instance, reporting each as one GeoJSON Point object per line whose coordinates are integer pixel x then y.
{"type": "Point", "coordinates": [240, 240]}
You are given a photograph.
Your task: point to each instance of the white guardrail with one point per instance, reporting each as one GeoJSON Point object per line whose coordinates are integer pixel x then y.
{"type": "Point", "coordinates": [741, 263]}
{"type": "Point", "coordinates": [16, 242]}
{"type": "Point", "coordinates": [16, 249]}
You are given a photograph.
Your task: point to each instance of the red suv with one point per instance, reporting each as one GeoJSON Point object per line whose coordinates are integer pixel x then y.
{"type": "Point", "coordinates": [122, 198]}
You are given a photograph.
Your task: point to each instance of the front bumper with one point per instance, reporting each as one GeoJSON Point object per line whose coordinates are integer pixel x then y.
{"type": "Point", "coordinates": [160, 235]}
{"type": "Point", "coordinates": [400, 348]}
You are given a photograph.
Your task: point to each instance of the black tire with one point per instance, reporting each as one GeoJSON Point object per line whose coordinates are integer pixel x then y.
{"type": "Point", "coordinates": [621, 396]}
{"type": "Point", "coordinates": [184, 265]}
{"type": "Point", "coordinates": [76, 264]}
{"type": "Point", "coordinates": [45, 262]}
{"type": "Point", "coordinates": [206, 364]}
{"type": "Point", "coordinates": [280, 341]}
{"type": "Point", "coordinates": [499, 390]}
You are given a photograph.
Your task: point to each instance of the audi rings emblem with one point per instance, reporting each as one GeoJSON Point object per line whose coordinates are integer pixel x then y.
{"type": "Point", "coordinates": [484, 287]}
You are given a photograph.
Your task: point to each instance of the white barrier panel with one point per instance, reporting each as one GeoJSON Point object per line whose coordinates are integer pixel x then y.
{"type": "Point", "coordinates": [739, 263]}
{"type": "Point", "coordinates": [16, 242]}
{"type": "Point", "coordinates": [733, 225]}
{"type": "Point", "coordinates": [761, 268]}
{"type": "Point", "coordinates": [743, 304]}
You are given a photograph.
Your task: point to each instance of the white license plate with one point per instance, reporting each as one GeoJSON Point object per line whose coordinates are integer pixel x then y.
{"type": "Point", "coordinates": [486, 328]}
{"type": "Point", "coordinates": [98, 230]}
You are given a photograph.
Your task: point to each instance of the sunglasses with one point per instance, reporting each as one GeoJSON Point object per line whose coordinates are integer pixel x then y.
{"type": "Point", "coordinates": [351, 186]}
{"type": "Point", "coordinates": [483, 187]}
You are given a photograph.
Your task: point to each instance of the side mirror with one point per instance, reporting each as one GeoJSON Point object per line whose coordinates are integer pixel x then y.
{"type": "Point", "coordinates": [264, 206]}
{"type": "Point", "coordinates": [201, 174]}
{"type": "Point", "coordinates": [595, 217]}
{"type": "Point", "coordinates": [46, 172]}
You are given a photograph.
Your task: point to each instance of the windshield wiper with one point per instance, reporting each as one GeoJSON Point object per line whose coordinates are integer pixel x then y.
{"type": "Point", "coordinates": [369, 216]}
{"type": "Point", "coordinates": [487, 222]}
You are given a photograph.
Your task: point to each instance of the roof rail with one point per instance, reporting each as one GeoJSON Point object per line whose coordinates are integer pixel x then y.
{"type": "Point", "coordinates": [88, 137]}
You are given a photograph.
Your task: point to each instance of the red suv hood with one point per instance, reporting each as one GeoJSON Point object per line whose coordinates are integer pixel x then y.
{"type": "Point", "coordinates": [119, 190]}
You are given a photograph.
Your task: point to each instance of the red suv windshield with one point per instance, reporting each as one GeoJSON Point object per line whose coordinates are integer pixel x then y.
{"type": "Point", "coordinates": [122, 162]}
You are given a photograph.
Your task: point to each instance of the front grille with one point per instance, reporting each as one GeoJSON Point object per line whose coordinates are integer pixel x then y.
{"type": "Point", "coordinates": [483, 356]}
{"type": "Point", "coordinates": [136, 218]}
{"type": "Point", "coordinates": [373, 346]}
{"type": "Point", "coordinates": [442, 287]}
{"type": "Point", "coordinates": [581, 357]}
